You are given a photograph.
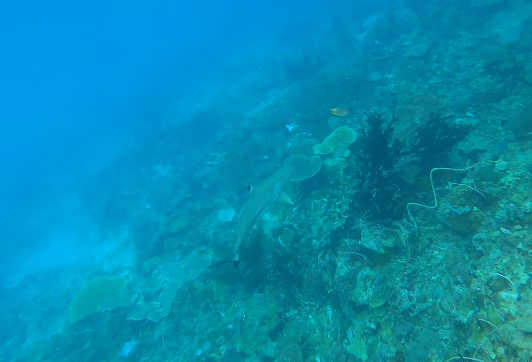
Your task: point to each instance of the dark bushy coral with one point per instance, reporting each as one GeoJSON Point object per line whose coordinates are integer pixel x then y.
{"type": "Point", "coordinates": [433, 142]}
{"type": "Point", "coordinates": [375, 167]}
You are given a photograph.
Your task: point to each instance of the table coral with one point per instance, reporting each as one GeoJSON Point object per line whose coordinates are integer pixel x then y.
{"type": "Point", "coordinates": [95, 291]}
{"type": "Point", "coordinates": [340, 137]}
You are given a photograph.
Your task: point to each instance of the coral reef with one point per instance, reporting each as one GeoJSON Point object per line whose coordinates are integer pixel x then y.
{"type": "Point", "coordinates": [152, 297]}
{"type": "Point", "coordinates": [408, 236]}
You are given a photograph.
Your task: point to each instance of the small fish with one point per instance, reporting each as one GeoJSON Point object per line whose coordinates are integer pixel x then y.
{"type": "Point", "coordinates": [505, 231]}
{"type": "Point", "coordinates": [340, 111]}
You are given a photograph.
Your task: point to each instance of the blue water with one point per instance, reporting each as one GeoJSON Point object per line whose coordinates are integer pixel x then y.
{"type": "Point", "coordinates": [79, 82]}
{"type": "Point", "coordinates": [127, 128]}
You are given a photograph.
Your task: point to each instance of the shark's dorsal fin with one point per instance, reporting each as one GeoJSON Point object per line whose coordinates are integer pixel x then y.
{"type": "Point", "coordinates": [284, 198]}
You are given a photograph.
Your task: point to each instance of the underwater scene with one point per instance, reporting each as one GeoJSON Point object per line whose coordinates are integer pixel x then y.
{"type": "Point", "coordinates": [303, 181]}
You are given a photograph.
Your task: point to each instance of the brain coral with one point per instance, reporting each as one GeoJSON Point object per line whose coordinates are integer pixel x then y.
{"type": "Point", "coordinates": [94, 292]}
{"type": "Point", "coordinates": [341, 137]}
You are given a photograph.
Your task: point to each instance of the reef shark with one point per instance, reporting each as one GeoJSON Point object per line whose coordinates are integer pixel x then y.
{"type": "Point", "coordinates": [263, 196]}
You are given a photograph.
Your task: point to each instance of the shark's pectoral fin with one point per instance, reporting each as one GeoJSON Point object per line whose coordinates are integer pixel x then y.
{"type": "Point", "coordinates": [231, 259]}
{"type": "Point", "coordinates": [218, 263]}
{"type": "Point", "coordinates": [284, 198]}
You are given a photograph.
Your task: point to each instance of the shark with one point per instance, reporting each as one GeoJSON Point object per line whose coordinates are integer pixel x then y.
{"type": "Point", "coordinates": [296, 168]}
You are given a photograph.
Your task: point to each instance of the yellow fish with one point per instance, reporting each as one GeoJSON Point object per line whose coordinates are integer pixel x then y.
{"type": "Point", "coordinates": [340, 111]}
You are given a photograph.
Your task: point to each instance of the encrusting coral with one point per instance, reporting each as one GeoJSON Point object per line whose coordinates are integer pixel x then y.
{"type": "Point", "coordinates": [94, 292]}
